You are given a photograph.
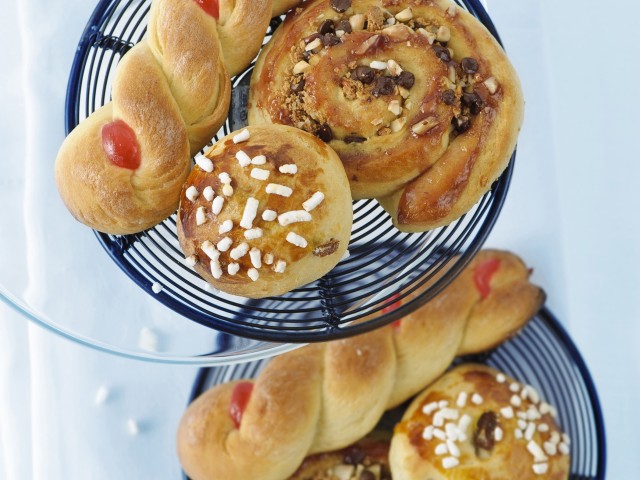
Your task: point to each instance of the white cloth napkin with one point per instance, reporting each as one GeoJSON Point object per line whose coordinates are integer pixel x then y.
{"type": "Point", "coordinates": [66, 412]}
{"type": "Point", "coordinates": [52, 428]}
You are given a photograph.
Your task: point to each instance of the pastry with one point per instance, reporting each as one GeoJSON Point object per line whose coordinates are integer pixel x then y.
{"type": "Point", "coordinates": [417, 98]}
{"type": "Point", "coordinates": [121, 170]}
{"type": "Point", "coordinates": [266, 210]}
{"type": "Point", "coordinates": [476, 422]}
{"type": "Point", "coordinates": [324, 397]}
{"type": "Point", "coordinates": [367, 459]}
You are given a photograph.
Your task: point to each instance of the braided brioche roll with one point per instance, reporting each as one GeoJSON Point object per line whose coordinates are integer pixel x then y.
{"type": "Point", "coordinates": [121, 170]}
{"type": "Point", "coordinates": [417, 98]}
{"type": "Point", "coordinates": [323, 397]}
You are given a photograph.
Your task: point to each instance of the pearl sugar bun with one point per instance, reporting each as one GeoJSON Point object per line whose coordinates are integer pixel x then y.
{"type": "Point", "coordinates": [265, 211]}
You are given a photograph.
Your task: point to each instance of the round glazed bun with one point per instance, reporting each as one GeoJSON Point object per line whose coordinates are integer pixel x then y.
{"type": "Point", "coordinates": [490, 427]}
{"type": "Point", "coordinates": [267, 210]}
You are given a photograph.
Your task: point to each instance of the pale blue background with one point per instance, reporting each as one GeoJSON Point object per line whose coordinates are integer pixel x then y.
{"type": "Point", "coordinates": [571, 213]}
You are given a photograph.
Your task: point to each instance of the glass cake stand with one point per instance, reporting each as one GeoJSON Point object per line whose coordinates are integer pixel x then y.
{"type": "Point", "coordinates": [134, 296]}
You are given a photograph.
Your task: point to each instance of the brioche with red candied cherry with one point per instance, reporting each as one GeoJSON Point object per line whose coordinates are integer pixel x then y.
{"type": "Point", "coordinates": [121, 170]}
{"type": "Point", "coordinates": [416, 96]}
{"type": "Point", "coordinates": [324, 397]}
{"type": "Point", "coordinates": [266, 210]}
{"type": "Point", "coordinates": [475, 422]}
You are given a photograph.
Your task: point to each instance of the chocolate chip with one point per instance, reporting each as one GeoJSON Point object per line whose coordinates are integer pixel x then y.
{"type": "Point", "coordinates": [297, 86]}
{"type": "Point", "coordinates": [449, 97]}
{"type": "Point", "coordinates": [326, 27]}
{"type": "Point", "coordinates": [344, 25]}
{"type": "Point", "coordinates": [306, 55]}
{"type": "Point", "coordinates": [365, 74]}
{"type": "Point", "coordinates": [461, 124]}
{"type": "Point", "coordinates": [406, 80]}
{"type": "Point", "coordinates": [442, 53]}
{"type": "Point", "coordinates": [354, 456]}
{"type": "Point", "coordinates": [329, 40]}
{"type": "Point", "coordinates": [484, 436]}
{"type": "Point", "coordinates": [367, 475]}
{"type": "Point", "coordinates": [324, 133]}
{"type": "Point", "coordinates": [473, 101]}
{"type": "Point", "coordinates": [341, 6]}
{"type": "Point", "coordinates": [354, 139]}
{"type": "Point", "coordinates": [383, 86]}
{"type": "Point", "coordinates": [469, 65]}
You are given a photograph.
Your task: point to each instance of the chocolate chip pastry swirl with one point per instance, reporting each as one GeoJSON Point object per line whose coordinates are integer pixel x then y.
{"type": "Point", "coordinates": [416, 96]}
{"type": "Point", "coordinates": [266, 210]}
{"type": "Point", "coordinates": [120, 170]}
{"type": "Point", "coordinates": [324, 397]}
{"type": "Point", "coordinates": [476, 422]}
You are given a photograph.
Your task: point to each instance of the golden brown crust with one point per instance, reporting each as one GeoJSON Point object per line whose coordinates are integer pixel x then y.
{"type": "Point", "coordinates": [283, 6]}
{"type": "Point", "coordinates": [489, 446]}
{"type": "Point", "coordinates": [173, 91]}
{"type": "Point", "coordinates": [326, 229]}
{"type": "Point", "coordinates": [354, 380]}
{"type": "Point", "coordinates": [424, 172]}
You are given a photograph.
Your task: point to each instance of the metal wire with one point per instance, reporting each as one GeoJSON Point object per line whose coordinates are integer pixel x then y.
{"type": "Point", "coordinates": [384, 264]}
{"type": "Point", "coordinates": [541, 355]}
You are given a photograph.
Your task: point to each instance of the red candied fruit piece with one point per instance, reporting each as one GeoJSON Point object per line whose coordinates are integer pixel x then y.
{"type": "Point", "coordinates": [211, 7]}
{"type": "Point", "coordinates": [483, 274]}
{"type": "Point", "coordinates": [120, 144]}
{"type": "Point", "coordinates": [392, 307]}
{"type": "Point", "coordinates": [239, 400]}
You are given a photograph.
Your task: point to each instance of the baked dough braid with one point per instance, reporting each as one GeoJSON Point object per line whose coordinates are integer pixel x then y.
{"type": "Point", "coordinates": [323, 397]}
{"type": "Point", "coordinates": [121, 170]}
{"type": "Point", "coordinates": [416, 96]}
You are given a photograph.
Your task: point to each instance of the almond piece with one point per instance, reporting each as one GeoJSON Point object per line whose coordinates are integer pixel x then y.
{"type": "Point", "coordinates": [492, 85]}
{"type": "Point", "coordinates": [405, 15]}
{"type": "Point", "coordinates": [300, 67]}
{"type": "Point", "coordinates": [357, 22]}
{"type": "Point", "coordinates": [443, 34]}
{"type": "Point", "coordinates": [398, 124]}
{"type": "Point", "coordinates": [423, 126]}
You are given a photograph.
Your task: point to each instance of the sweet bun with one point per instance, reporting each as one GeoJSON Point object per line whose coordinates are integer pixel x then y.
{"type": "Point", "coordinates": [121, 170]}
{"type": "Point", "coordinates": [266, 210]}
{"type": "Point", "coordinates": [326, 396]}
{"type": "Point", "coordinates": [487, 303]}
{"type": "Point", "coordinates": [475, 422]}
{"type": "Point", "coordinates": [241, 28]}
{"type": "Point", "coordinates": [366, 459]}
{"type": "Point", "coordinates": [416, 96]}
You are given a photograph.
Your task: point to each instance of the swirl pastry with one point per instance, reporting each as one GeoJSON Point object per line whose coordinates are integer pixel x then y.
{"type": "Point", "coordinates": [265, 211]}
{"type": "Point", "coordinates": [121, 170]}
{"type": "Point", "coordinates": [326, 396]}
{"type": "Point", "coordinates": [475, 422]}
{"type": "Point", "coordinates": [367, 459]}
{"type": "Point", "coordinates": [416, 97]}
